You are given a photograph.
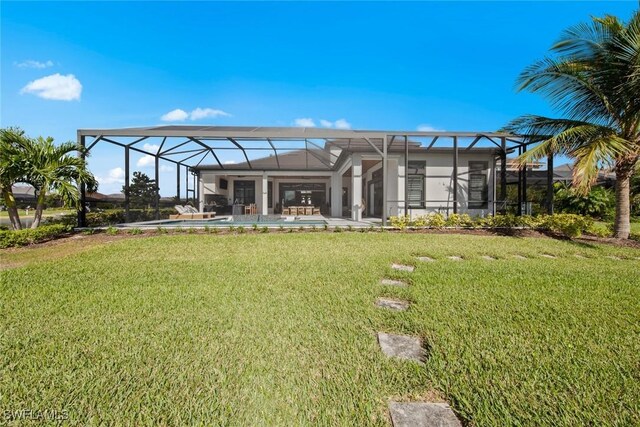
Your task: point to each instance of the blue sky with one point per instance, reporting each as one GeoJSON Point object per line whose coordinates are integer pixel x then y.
{"type": "Point", "coordinates": [446, 65]}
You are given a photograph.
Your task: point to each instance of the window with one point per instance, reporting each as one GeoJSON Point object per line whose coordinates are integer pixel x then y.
{"type": "Point", "coordinates": [244, 192]}
{"type": "Point", "coordinates": [415, 184]}
{"type": "Point", "coordinates": [270, 194]}
{"type": "Point", "coordinates": [478, 188]}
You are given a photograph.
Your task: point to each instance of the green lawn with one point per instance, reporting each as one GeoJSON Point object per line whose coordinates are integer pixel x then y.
{"type": "Point", "coordinates": [279, 329]}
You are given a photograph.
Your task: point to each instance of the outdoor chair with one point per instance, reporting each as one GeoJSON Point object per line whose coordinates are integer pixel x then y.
{"type": "Point", "coordinates": [308, 210]}
{"type": "Point", "coordinates": [285, 211]}
{"type": "Point", "coordinates": [316, 211]}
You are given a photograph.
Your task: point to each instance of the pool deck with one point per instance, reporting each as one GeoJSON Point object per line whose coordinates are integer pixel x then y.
{"type": "Point", "coordinates": [289, 221]}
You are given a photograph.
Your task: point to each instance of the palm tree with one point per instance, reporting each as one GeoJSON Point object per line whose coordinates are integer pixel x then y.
{"type": "Point", "coordinates": [50, 167]}
{"type": "Point", "coordinates": [594, 81]}
{"type": "Point", "coordinates": [11, 163]}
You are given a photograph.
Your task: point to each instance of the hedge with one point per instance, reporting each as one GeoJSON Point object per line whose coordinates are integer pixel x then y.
{"type": "Point", "coordinates": [27, 236]}
{"type": "Point", "coordinates": [569, 225]}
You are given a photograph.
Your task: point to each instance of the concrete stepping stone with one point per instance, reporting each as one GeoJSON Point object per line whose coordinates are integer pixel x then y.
{"type": "Point", "coordinates": [580, 256]}
{"type": "Point", "coordinates": [613, 257]}
{"type": "Point", "coordinates": [548, 256]}
{"type": "Point", "coordinates": [392, 304]}
{"type": "Point", "coordinates": [421, 414]}
{"type": "Point", "coordinates": [402, 347]}
{"type": "Point", "coordinates": [516, 256]}
{"type": "Point", "coordinates": [455, 258]}
{"type": "Point", "coordinates": [425, 259]}
{"type": "Point", "coordinates": [393, 282]}
{"type": "Point", "coordinates": [402, 267]}
{"type": "Point", "coordinates": [488, 258]}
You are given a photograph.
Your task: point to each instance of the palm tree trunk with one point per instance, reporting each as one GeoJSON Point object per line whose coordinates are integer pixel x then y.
{"type": "Point", "coordinates": [622, 224]}
{"type": "Point", "coordinates": [10, 202]}
{"type": "Point", "coordinates": [39, 208]}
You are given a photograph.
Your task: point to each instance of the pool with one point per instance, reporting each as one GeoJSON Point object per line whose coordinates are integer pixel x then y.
{"type": "Point", "coordinates": [236, 220]}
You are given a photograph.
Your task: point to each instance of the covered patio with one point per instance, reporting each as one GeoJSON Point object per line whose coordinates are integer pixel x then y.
{"type": "Point", "coordinates": [289, 166]}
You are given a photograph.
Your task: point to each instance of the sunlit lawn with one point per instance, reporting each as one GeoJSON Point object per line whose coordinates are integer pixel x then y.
{"type": "Point", "coordinates": [279, 329]}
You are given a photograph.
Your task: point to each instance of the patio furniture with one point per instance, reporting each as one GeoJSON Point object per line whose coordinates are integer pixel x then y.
{"type": "Point", "coordinates": [197, 215]}
{"type": "Point", "coordinates": [308, 210]}
{"type": "Point", "coordinates": [316, 211]}
{"type": "Point", "coordinates": [286, 211]}
{"type": "Point", "coordinates": [250, 209]}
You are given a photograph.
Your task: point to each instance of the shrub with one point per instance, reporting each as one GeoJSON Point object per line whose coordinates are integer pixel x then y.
{"type": "Point", "coordinates": [191, 230]}
{"type": "Point", "coordinates": [255, 227]}
{"type": "Point", "coordinates": [161, 230]}
{"type": "Point", "coordinates": [264, 229]}
{"type": "Point", "coordinates": [436, 220]}
{"type": "Point", "coordinates": [421, 221]}
{"type": "Point", "coordinates": [337, 229]}
{"type": "Point", "coordinates": [350, 227]}
{"type": "Point", "coordinates": [207, 228]}
{"type": "Point", "coordinates": [112, 231]}
{"type": "Point", "coordinates": [569, 225]}
{"type": "Point", "coordinates": [400, 222]}
{"type": "Point", "coordinates": [9, 238]}
{"type": "Point", "coordinates": [241, 229]}
{"type": "Point", "coordinates": [135, 231]}
{"type": "Point", "coordinates": [281, 227]}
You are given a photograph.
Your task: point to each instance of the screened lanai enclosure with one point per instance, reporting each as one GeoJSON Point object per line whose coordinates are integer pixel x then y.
{"type": "Point", "coordinates": [351, 174]}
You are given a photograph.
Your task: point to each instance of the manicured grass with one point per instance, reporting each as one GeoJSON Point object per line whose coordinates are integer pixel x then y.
{"type": "Point", "coordinates": [279, 329]}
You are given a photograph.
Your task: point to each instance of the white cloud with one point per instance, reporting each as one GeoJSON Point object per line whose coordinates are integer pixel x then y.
{"type": "Point", "coordinates": [305, 123]}
{"type": "Point", "coordinates": [229, 162]}
{"type": "Point", "coordinates": [30, 63]}
{"type": "Point", "coordinates": [179, 115]}
{"type": "Point", "coordinates": [145, 161]}
{"type": "Point", "coordinates": [342, 124]}
{"type": "Point", "coordinates": [203, 113]}
{"type": "Point", "coordinates": [56, 87]}
{"type": "Point", "coordinates": [176, 115]}
{"type": "Point", "coordinates": [428, 128]}
{"type": "Point", "coordinates": [153, 148]}
{"type": "Point", "coordinates": [338, 124]}
{"type": "Point", "coordinates": [114, 176]}
{"type": "Point", "coordinates": [166, 168]}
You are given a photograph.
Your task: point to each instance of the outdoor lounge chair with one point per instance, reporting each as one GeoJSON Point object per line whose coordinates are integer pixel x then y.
{"type": "Point", "coordinates": [286, 211]}
{"type": "Point", "coordinates": [189, 212]}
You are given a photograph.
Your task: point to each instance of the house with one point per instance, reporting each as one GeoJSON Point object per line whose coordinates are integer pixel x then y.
{"type": "Point", "coordinates": [351, 174]}
{"type": "Point", "coordinates": [423, 185]}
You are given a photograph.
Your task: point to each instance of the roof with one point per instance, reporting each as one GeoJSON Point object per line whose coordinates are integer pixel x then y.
{"type": "Point", "coordinates": [273, 132]}
{"type": "Point", "coordinates": [279, 147]}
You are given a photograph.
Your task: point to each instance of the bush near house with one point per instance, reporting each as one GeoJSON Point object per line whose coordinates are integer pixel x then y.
{"type": "Point", "coordinates": [569, 225]}
{"type": "Point", "coordinates": [27, 236]}
{"type": "Point", "coordinates": [114, 216]}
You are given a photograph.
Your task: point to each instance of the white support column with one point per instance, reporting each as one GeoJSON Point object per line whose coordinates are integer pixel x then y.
{"type": "Point", "coordinates": [200, 193]}
{"type": "Point", "coordinates": [356, 188]}
{"type": "Point", "coordinates": [264, 208]}
{"type": "Point", "coordinates": [336, 194]}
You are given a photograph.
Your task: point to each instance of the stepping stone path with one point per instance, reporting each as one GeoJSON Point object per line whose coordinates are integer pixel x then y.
{"type": "Point", "coordinates": [616, 258]}
{"type": "Point", "coordinates": [580, 256]}
{"type": "Point", "coordinates": [519, 257]}
{"type": "Point", "coordinates": [402, 267]}
{"type": "Point", "coordinates": [488, 258]}
{"type": "Point", "coordinates": [425, 259]}
{"type": "Point", "coordinates": [419, 414]}
{"type": "Point", "coordinates": [548, 256]}
{"type": "Point", "coordinates": [392, 304]}
{"type": "Point", "coordinates": [455, 258]}
{"type": "Point", "coordinates": [402, 347]}
{"type": "Point", "coordinates": [392, 282]}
